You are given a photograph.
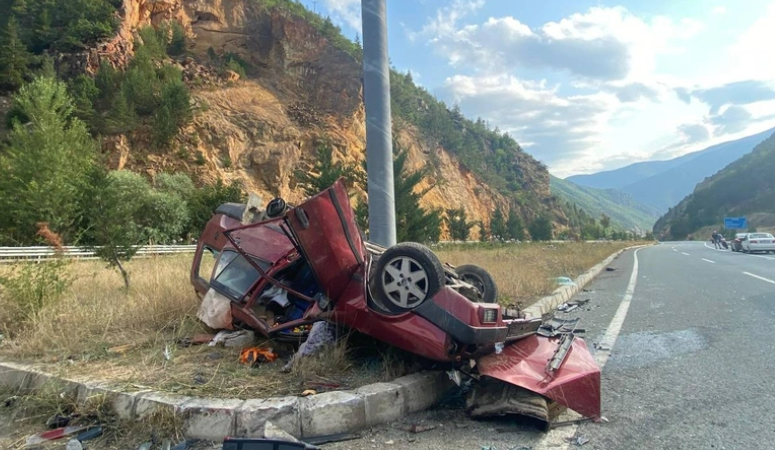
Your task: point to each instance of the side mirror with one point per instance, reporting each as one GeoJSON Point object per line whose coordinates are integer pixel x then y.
{"type": "Point", "coordinates": [276, 208]}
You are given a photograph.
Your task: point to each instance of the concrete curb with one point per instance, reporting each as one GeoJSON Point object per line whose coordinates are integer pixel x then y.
{"type": "Point", "coordinates": [564, 293]}
{"type": "Point", "coordinates": [213, 419]}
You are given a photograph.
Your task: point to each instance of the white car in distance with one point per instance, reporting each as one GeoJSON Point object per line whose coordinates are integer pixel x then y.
{"type": "Point", "coordinates": [759, 242]}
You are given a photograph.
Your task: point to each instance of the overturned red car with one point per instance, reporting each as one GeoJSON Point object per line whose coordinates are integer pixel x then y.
{"type": "Point", "coordinates": [279, 270]}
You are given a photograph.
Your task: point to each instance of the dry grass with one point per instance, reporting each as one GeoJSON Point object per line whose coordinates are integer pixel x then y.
{"type": "Point", "coordinates": [525, 272]}
{"type": "Point", "coordinates": [72, 336]}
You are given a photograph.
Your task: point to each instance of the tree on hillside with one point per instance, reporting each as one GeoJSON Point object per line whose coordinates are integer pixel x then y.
{"type": "Point", "coordinates": [498, 225]}
{"type": "Point", "coordinates": [204, 200]}
{"type": "Point", "coordinates": [324, 172]}
{"type": "Point", "coordinates": [459, 226]}
{"type": "Point", "coordinates": [125, 211]}
{"type": "Point", "coordinates": [413, 222]}
{"type": "Point", "coordinates": [484, 234]}
{"type": "Point", "coordinates": [44, 164]}
{"type": "Point", "coordinates": [514, 226]}
{"type": "Point", "coordinates": [541, 229]}
{"type": "Point", "coordinates": [14, 57]}
{"type": "Point", "coordinates": [115, 203]}
{"type": "Point", "coordinates": [605, 222]}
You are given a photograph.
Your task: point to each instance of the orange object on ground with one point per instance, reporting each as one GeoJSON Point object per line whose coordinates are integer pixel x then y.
{"type": "Point", "coordinates": [255, 355]}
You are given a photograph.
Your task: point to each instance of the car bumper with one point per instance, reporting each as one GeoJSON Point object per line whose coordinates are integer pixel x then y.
{"type": "Point", "coordinates": [467, 334]}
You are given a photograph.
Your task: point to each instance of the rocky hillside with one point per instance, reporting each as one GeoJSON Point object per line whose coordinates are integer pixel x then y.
{"type": "Point", "coordinates": [299, 90]}
{"type": "Point", "coordinates": [744, 188]}
{"type": "Point", "coordinates": [270, 82]}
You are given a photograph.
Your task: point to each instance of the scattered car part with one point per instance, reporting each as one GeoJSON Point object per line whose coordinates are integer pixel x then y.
{"type": "Point", "coordinates": [556, 327]}
{"type": "Point", "coordinates": [491, 397]}
{"type": "Point", "coordinates": [562, 351]}
{"type": "Point", "coordinates": [91, 433]}
{"type": "Point", "coordinates": [575, 384]}
{"type": "Point", "coordinates": [52, 435]}
{"type": "Point", "coordinates": [481, 280]}
{"type": "Point", "coordinates": [252, 356]}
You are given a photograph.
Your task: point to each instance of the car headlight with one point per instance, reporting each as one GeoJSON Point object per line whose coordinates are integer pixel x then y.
{"type": "Point", "coordinates": [489, 315]}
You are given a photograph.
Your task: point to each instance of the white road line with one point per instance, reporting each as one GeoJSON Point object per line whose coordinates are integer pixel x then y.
{"type": "Point", "coordinates": [760, 278]}
{"type": "Point", "coordinates": [557, 437]}
{"type": "Point", "coordinates": [769, 258]}
{"type": "Point", "coordinates": [707, 260]}
{"type": "Point", "coordinates": [684, 253]}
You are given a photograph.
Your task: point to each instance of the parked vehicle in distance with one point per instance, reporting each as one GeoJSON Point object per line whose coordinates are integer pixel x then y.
{"type": "Point", "coordinates": [759, 242]}
{"type": "Point", "coordinates": [737, 243]}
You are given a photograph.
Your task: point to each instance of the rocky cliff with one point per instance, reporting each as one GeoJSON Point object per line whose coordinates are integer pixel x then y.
{"type": "Point", "coordinates": [300, 91]}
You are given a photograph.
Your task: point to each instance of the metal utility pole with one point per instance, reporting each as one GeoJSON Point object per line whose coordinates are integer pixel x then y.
{"type": "Point", "coordinates": [379, 135]}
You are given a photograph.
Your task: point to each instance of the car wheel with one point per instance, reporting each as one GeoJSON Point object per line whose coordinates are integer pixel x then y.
{"type": "Point", "coordinates": [481, 280]}
{"type": "Point", "coordinates": [404, 276]}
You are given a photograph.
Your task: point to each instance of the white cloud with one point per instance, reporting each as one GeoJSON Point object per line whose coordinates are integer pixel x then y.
{"type": "Point", "coordinates": [751, 56]}
{"type": "Point", "coordinates": [347, 10]}
{"type": "Point", "coordinates": [603, 43]}
{"type": "Point", "coordinates": [719, 10]}
{"type": "Point", "coordinates": [556, 127]}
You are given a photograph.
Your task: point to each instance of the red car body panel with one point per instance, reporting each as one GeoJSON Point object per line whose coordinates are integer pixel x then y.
{"type": "Point", "coordinates": [576, 384]}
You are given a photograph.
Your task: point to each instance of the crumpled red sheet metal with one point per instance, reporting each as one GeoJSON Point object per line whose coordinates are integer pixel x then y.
{"type": "Point", "coordinates": [576, 384]}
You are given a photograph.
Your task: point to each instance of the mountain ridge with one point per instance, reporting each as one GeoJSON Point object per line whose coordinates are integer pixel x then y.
{"type": "Point", "coordinates": [745, 187]}
{"type": "Point", "coordinates": [662, 184]}
{"type": "Point", "coordinates": [625, 212]}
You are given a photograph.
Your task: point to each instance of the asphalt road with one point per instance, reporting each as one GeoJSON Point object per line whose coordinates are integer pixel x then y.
{"type": "Point", "coordinates": [690, 365]}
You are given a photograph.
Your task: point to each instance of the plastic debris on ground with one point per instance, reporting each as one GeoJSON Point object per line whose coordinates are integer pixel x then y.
{"type": "Point", "coordinates": [74, 444]}
{"type": "Point", "coordinates": [145, 446]}
{"type": "Point", "coordinates": [577, 439]}
{"type": "Point", "coordinates": [322, 335]}
{"type": "Point", "coordinates": [58, 421]}
{"type": "Point", "coordinates": [90, 434]}
{"type": "Point", "coordinates": [415, 428]}
{"type": "Point", "coordinates": [52, 435]}
{"type": "Point", "coordinates": [253, 356]}
{"type": "Point", "coordinates": [237, 339]}
{"type": "Point", "coordinates": [564, 281]}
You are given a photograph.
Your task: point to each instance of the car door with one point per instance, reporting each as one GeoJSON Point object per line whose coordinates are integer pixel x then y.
{"type": "Point", "coordinates": [326, 231]}
{"type": "Point", "coordinates": [210, 244]}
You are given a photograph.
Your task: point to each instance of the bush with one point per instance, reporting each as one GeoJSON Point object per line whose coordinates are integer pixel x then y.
{"type": "Point", "coordinates": [30, 288]}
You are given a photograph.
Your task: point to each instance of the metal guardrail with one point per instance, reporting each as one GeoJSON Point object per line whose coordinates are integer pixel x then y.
{"type": "Point", "coordinates": [43, 253]}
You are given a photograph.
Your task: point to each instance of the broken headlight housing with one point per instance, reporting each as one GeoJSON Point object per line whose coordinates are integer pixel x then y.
{"type": "Point", "coordinates": [489, 315]}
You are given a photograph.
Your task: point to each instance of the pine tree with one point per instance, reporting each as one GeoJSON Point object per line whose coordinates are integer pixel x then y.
{"type": "Point", "coordinates": [14, 57]}
{"type": "Point", "coordinates": [498, 225]}
{"type": "Point", "coordinates": [459, 227]}
{"type": "Point", "coordinates": [325, 172]}
{"type": "Point", "coordinates": [484, 234]}
{"type": "Point", "coordinates": [514, 226]}
{"type": "Point", "coordinates": [541, 229]}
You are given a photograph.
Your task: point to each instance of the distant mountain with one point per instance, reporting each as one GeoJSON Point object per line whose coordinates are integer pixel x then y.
{"type": "Point", "coordinates": [662, 184]}
{"type": "Point", "coordinates": [744, 188]}
{"type": "Point", "coordinates": [624, 211]}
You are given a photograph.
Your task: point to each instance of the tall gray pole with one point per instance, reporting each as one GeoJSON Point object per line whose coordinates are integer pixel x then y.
{"type": "Point", "coordinates": [379, 135]}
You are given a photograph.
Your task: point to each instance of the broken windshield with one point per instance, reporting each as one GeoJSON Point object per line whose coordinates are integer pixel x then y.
{"type": "Point", "coordinates": [234, 275]}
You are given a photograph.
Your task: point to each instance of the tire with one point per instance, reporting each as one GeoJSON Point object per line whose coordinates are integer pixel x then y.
{"type": "Point", "coordinates": [405, 275]}
{"type": "Point", "coordinates": [481, 279]}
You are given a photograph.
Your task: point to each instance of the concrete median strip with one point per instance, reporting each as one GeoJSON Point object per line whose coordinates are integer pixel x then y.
{"type": "Point", "coordinates": [213, 419]}
{"type": "Point", "coordinates": [302, 417]}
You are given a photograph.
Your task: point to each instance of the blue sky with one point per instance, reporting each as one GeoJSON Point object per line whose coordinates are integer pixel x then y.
{"type": "Point", "coordinates": [585, 85]}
